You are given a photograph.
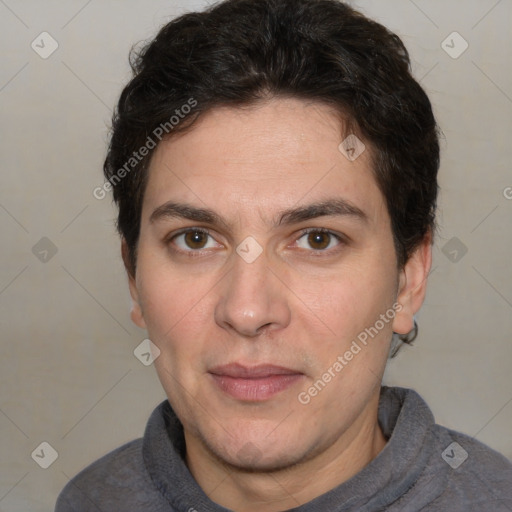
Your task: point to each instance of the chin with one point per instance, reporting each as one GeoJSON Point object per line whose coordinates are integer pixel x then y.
{"type": "Point", "coordinates": [259, 455]}
{"type": "Point", "coordinates": [251, 460]}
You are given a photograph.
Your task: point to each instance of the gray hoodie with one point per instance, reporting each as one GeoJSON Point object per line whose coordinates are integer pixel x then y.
{"type": "Point", "coordinates": [423, 467]}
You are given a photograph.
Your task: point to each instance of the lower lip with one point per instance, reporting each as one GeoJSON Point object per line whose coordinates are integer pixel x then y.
{"type": "Point", "coordinates": [257, 389]}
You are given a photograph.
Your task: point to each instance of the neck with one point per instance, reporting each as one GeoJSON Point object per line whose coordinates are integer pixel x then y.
{"type": "Point", "coordinates": [291, 487]}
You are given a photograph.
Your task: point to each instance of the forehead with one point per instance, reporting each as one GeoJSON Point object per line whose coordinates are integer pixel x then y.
{"type": "Point", "coordinates": [262, 159]}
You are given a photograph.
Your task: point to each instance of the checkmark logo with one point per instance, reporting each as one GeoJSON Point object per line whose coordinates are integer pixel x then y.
{"type": "Point", "coordinates": [352, 147]}
{"type": "Point", "coordinates": [454, 455]}
{"type": "Point", "coordinates": [44, 455]}
{"type": "Point", "coordinates": [146, 352]}
{"type": "Point", "coordinates": [454, 249]}
{"type": "Point", "coordinates": [44, 45]}
{"type": "Point", "coordinates": [249, 249]}
{"type": "Point", "coordinates": [454, 45]}
{"type": "Point", "coordinates": [44, 250]}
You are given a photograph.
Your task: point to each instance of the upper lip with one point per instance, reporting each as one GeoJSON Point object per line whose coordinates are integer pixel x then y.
{"type": "Point", "coordinates": [236, 370]}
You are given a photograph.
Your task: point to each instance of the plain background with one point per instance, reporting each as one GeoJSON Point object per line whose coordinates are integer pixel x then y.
{"type": "Point", "coordinates": [68, 375]}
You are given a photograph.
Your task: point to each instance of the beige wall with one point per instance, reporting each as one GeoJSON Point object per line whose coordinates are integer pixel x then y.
{"type": "Point", "coordinates": [67, 371]}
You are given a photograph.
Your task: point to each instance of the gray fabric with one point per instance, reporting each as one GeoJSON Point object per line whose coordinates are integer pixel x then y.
{"type": "Point", "coordinates": [408, 475]}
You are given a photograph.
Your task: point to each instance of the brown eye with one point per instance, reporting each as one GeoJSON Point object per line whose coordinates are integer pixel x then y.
{"type": "Point", "coordinates": [196, 239]}
{"type": "Point", "coordinates": [318, 240]}
{"type": "Point", "coordinates": [193, 240]}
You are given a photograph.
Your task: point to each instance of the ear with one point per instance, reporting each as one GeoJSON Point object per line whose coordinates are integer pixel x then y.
{"type": "Point", "coordinates": [136, 311]}
{"type": "Point", "coordinates": [413, 285]}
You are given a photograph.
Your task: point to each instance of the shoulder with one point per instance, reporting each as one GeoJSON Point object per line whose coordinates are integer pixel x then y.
{"type": "Point", "coordinates": [472, 460]}
{"type": "Point", "coordinates": [116, 481]}
{"type": "Point", "coordinates": [471, 476]}
{"type": "Point", "coordinates": [446, 469]}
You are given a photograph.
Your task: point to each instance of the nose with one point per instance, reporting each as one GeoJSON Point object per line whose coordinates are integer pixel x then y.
{"type": "Point", "coordinates": [252, 300]}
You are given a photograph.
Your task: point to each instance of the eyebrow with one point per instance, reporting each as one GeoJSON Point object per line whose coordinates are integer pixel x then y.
{"type": "Point", "coordinates": [185, 211]}
{"type": "Point", "coordinates": [329, 207]}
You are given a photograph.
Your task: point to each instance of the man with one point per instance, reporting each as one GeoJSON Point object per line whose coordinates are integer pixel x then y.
{"type": "Point", "coordinates": [274, 164]}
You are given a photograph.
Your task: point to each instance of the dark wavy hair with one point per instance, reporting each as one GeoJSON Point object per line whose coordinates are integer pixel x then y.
{"type": "Point", "coordinates": [239, 52]}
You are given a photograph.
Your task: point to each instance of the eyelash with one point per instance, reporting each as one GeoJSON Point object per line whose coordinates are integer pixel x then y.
{"type": "Point", "coordinates": [194, 253]}
{"type": "Point", "coordinates": [190, 253]}
{"type": "Point", "coordinates": [339, 238]}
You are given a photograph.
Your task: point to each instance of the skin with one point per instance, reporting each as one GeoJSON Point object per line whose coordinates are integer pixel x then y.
{"type": "Point", "coordinates": [299, 304]}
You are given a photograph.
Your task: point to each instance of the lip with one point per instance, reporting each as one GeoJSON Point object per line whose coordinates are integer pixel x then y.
{"type": "Point", "coordinates": [254, 383]}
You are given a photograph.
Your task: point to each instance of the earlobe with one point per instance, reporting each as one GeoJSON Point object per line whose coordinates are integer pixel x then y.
{"type": "Point", "coordinates": [137, 316]}
{"type": "Point", "coordinates": [136, 313]}
{"type": "Point", "coordinates": [413, 286]}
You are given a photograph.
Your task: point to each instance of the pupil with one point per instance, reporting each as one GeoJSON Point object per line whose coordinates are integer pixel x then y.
{"type": "Point", "coordinates": [195, 239]}
{"type": "Point", "coordinates": [318, 240]}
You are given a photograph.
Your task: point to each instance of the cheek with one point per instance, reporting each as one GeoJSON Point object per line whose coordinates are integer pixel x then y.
{"type": "Point", "coordinates": [168, 296]}
{"type": "Point", "coordinates": [349, 299]}
{"type": "Point", "coordinates": [175, 316]}
{"type": "Point", "coordinates": [178, 310]}
{"type": "Point", "coordinates": [166, 305]}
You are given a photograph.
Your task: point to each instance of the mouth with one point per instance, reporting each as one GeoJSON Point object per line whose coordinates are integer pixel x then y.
{"type": "Point", "coordinates": [255, 383]}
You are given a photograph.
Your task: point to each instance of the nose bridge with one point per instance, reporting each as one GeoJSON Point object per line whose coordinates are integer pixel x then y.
{"type": "Point", "coordinates": [251, 270]}
{"type": "Point", "coordinates": [252, 297]}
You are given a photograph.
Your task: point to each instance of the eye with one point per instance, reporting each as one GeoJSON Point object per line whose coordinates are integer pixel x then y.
{"type": "Point", "coordinates": [318, 240]}
{"type": "Point", "coordinates": [194, 240]}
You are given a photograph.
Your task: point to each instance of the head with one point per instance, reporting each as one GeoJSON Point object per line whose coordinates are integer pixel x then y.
{"type": "Point", "coordinates": [274, 164]}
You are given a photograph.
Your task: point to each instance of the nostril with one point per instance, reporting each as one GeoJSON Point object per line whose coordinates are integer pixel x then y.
{"type": "Point", "coordinates": [265, 327]}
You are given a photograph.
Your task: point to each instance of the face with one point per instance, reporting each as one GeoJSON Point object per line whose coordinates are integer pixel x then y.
{"type": "Point", "coordinates": [265, 256]}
